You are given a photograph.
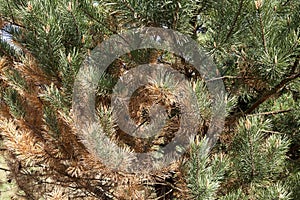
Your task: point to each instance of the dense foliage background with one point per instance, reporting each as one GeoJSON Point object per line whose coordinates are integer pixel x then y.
{"type": "Point", "coordinates": [256, 47]}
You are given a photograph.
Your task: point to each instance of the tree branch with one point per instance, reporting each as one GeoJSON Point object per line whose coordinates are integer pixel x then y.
{"type": "Point", "coordinates": [235, 20]}
{"type": "Point", "coordinates": [286, 3]}
{"type": "Point", "coordinates": [272, 112]}
{"type": "Point", "coordinates": [223, 77]}
{"type": "Point", "coordinates": [292, 75]}
{"type": "Point", "coordinates": [295, 66]}
{"type": "Point", "coordinates": [271, 92]}
{"type": "Point", "coordinates": [127, 4]}
{"type": "Point", "coordinates": [7, 170]}
{"type": "Point", "coordinates": [263, 34]}
{"type": "Point", "coordinates": [12, 15]}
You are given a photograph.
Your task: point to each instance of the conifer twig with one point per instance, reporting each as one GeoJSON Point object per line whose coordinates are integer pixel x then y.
{"type": "Point", "coordinates": [272, 112]}
{"type": "Point", "coordinates": [223, 77]}
{"type": "Point", "coordinates": [129, 6]}
{"type": "Point", "coordinates": [272, 132]}
{"type": "Point", "coordinates": [235, 20]}
{"type": "Point", "coordinates": [12, 15]}
{"type": "Point", "coordinates": [263, 34]}
{"type": "Point", "coordinates": [3, 169]}
{"type": "Point", "coordinates": [286, 3]}
{"type": "Point", "coordinates": [271, 92]}
{"type": "Point", "coordinates": [162, 196]}
{"type": "Point", "coordinates": [264, 97]}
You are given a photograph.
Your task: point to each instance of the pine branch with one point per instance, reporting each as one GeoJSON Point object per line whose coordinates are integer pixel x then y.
{"type": "Point", "coordinates": [7, 20]}
{"type": "Point", "coordinates": [12, 15]}
{"type": "Point", "coordinates": [3, 169]}
{"type": "Point", "coordinates": [251, 148]}
{"type": "Point", "coordinates": [286, 3]}
{"type": "Point", "coordinates": [175, 17]}
{"type": "Point", "coordinates": [272, 112]}
{"type": "Point", "coordinates": [296, 65]}
{"type": "Point", "coordinates": [164, 195]}
{"type": "Point", "coordinates": [224, 77]}
{"type": "Point", "coordinates": [235, 21]}
{"type": "Point", "coordinates": [270, 132]}
{"type": "Point", "coordinates": [291, 76]}
{"type": "Point", "coordinates": [127, 4]}
{"type": "Point", "coordinates": [263, 34]}
{"type": "Point", "coordinates": [271, 92]}
{"type": "Point", "coordinates": [98, 21]}
{"type": "Point", "coordinates": [75, 22]}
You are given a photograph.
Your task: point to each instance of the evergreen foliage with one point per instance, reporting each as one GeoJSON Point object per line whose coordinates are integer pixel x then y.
{"type": "Point", "coordinates": [256, 47]}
